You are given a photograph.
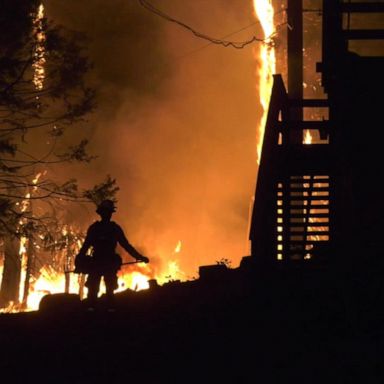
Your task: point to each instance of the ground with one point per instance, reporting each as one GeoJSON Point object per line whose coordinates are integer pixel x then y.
{"type": "Point", "coordinates": [296, 327]}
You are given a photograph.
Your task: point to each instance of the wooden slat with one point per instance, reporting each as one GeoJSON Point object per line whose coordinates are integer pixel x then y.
{"type": "Point", "coordinates": [303, 234]}
{"type": "Point", "coordinates": [300, 182]}
{"type": "Point", "coordinates": [306, 194]}
{"type": "Point", "coordinates": [318, 224]}
{"type": "Point", "coordinates": [300, 215]}
{"type": "Point", "coordinates": [302, 125]}
{"type": "Point", "coordinates": [364, 34]}
{"type": "Point", "coordinates": [309, 233]}
{"type": "Point", "coordinates": [302, 178]}
{"type": "Point", "coordinates": [302, 206]}
{"type": "Point", "coordinates": [309, 242]}
{"type": "Point", "coordinates": [305, 189]}
{"type": "Point", "coordinates": [312, 198]}
{"type": "Point", "coordinates": [308, 102]}
{"type": "Point", "coordinates": [300, 200]}
{"type": "Point", "coordinates": [361, 7]}
{"type": "Point", "coordinates": [312, 225]}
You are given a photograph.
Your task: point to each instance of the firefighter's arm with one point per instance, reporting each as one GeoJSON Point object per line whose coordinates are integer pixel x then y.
{"type": "Point", "coordinates": [123, 241]}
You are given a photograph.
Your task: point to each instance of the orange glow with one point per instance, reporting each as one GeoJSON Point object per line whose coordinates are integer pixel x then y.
{"type": "Point", "coordinates": [135, 281]}
{"type": "Point", "coordinates": [50, 282]}
{"type": "Point", "coordinates": [24, 240]}
{"type": "Point", "coordinates": [178, 247]}
{"type": "Point", "coordinates": [307, 137]}
{"type": "Point", "coordinates": [267, 62]}
{"type": "Point", "coordinates": [170, 265]}
{"type": "Point", "coordinates": [1, 273]}
{"type": "Point", "coordinates": [22, 248]}
{"type": "Point", "coordinates": [36, 179]}
{"type": "Point", "coordinates": [134, 277]}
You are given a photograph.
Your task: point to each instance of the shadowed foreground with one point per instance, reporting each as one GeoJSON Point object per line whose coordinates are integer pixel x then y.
{"type": "Point", "coordinates": [301, 326]}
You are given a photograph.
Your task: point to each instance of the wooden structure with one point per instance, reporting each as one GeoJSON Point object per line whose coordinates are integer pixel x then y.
{"type": "Point", "coordinates": [322, 202]}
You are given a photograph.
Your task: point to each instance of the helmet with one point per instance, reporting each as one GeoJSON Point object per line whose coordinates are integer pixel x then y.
{"type": "Point", "coordinates": [106, 206]}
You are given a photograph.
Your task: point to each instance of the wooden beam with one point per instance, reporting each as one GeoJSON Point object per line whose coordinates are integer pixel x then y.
{"type": "Point", "coordinates": [364, 34]}
{"type": "Point", "coordinates": [300, 125]}
{"type": "Point", "coordinates": [295, 62]}
{"type": "Point", "coordinates": [363, 7]}
{"type": "Point", "coordinates": [308, 103]}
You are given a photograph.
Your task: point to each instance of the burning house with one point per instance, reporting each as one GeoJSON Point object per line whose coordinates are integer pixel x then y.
{"type": "Point", "coordinates": [319, 202]}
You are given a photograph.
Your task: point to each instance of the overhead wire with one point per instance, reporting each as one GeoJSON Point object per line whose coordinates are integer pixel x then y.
{"type": "Point", "coordinates": [226, 43]}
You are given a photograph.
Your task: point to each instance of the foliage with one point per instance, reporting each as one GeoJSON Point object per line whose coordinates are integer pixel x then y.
{"type": "Point", "coordinates": [43, 94]}
{"type": "Point", "coordinates": [105, 190]}
{"type": "Point", "coordinates": [224, 261]}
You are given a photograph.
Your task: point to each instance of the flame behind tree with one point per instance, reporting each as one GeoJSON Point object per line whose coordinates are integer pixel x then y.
{"type": "Point", "coordinates": [46, 248]}
{"type": "Point", "coordinates": [42, 94]}
{"type": "Point", "coordinates": [49, 277]}
{"type": "Point", "coordinates": [39, 100]}
{"type": "Point", "coordinates": [27, 245]}
{"type": "Point", "coordinates": [169, 254]}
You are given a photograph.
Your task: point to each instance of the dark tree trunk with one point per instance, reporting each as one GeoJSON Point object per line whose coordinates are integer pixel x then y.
{"type": "Point", "coordinates": [10, 282]}
{"type": "Point", "coordinates": [81, 286]}
{"type": "Point", "coordinates": [30, 261]}
{"type": "Point", "coordinates": [67, 267]}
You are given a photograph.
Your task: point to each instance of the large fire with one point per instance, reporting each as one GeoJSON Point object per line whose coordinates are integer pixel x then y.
{"type": "Point", "coordinates": [51, 281]}
{"type": "Point", "coordinates": [136, 277]}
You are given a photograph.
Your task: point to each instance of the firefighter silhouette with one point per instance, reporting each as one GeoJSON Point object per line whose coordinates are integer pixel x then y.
{"type": "Point", "coordinates": [103, 236]}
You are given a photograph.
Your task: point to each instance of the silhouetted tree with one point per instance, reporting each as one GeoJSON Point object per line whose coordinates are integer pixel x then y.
{"type": "Point", "coordinates": [43, 93]}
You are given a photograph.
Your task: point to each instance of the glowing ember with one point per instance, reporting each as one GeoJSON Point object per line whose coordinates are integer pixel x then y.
{"type": "Point", "coordinates": [178, 247]}
{"type": "Point", "coordinates": [36, 179]}
{"type": "Point", "coordinates": [307, 137]}
{"type": "Point", "coordinates": [267, 65]}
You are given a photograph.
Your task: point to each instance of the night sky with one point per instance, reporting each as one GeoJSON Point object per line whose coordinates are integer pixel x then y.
{"type": "Point", "coordinates": [175, 123]}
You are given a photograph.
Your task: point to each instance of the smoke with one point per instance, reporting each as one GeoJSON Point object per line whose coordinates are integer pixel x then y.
{"type": "Point", "coordinates": [175, 125]}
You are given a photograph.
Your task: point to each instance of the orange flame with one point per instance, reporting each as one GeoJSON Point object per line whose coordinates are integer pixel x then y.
{"type": "Point", "coordinates": [267, 66]}
{"type": "Point", "coordinates": [51, 281]}
{"type": "Point", "coordinates": [178, 247]}
{"type": "Point", "coordinates": [307, 137]}
{"type": "Point", "coordinates": [36, 179]}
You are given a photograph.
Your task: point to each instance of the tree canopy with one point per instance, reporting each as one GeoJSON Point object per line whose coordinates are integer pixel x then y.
{"type": "Point", "coordinates": [44, 95]}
